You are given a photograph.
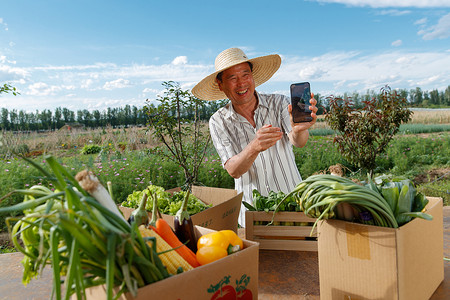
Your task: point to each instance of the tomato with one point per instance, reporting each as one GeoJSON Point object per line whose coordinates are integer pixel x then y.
{"type": "Point", "coordinates": [227, 292]}
{"type": "Point", "coordinates": [216, 238]}
{"type": "Point", "coordinates": [208, 254]}
{"type": "Point", "coordinates": [233, 238]}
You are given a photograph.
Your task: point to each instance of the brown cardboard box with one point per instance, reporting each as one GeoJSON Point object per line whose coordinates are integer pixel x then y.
{"type": "Point", "coordinates": [368, 262]}
{"type": "Point", "coordinates": [234, 276]}
{"type": "Point", "coordinates": [222, 215]}
{"type": "Point", "coordinates": [280, 237]}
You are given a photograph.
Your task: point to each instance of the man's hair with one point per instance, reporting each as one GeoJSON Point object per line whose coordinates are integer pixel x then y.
{"type": "Point", "coordinates": [219, 75]}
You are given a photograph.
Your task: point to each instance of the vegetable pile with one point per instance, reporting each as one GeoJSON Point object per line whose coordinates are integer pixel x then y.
{"type": "Point", "coordinates": [387, 202]}
{"type": "Point", "coordinates": [167, 203]}
{"type": "Point", "coordinates": [78, 230]}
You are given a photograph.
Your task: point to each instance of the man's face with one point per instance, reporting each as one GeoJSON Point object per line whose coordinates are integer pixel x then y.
{"type": "Point", "coordinates": [238, 84]}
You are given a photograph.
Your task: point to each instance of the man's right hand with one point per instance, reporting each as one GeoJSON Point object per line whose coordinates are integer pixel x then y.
{"type": "Point", "coordinates": [266, 137]}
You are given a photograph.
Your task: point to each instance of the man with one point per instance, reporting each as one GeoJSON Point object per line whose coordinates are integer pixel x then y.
{"type": "Point", "coordinates": [254, 133]}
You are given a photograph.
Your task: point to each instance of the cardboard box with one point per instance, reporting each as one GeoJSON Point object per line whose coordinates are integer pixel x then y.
{"type": "Point", "coordinates": [222, 215]}
{"type": "Point", "coordinates": [235, 276]}
{"type": "Point", "coordinates": [281, 237]}
{"type": "Point", "coordinates": [369, 262]}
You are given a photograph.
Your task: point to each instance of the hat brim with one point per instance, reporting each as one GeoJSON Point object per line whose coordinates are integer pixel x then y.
{"type": "Point", "coordinates": [263, 69]}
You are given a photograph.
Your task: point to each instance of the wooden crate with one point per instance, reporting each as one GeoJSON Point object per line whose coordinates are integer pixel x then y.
{"type": "Point", "coordinates": [281, 237]}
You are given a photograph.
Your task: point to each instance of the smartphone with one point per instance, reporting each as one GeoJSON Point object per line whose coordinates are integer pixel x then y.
{"type": "Point", "coordinates": [300, 96]}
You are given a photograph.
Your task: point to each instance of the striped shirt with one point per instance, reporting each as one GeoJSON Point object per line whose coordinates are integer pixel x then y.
{"type": "Point", "coordinates": [274, 169]}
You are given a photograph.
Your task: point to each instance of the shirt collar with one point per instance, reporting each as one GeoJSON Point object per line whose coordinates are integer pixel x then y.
{"type": "Point", "coordinates": [231, 113]}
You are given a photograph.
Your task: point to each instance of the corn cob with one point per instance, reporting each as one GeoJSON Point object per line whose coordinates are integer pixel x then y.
{"type": "Point", "coordinates": [170, 258]}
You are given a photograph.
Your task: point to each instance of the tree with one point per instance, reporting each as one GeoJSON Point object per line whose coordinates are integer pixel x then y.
{"type": "Point", "coordinates": [7, 88]}
{"type": "Point", "coordinates": [184, 138]}
{"type": "Point", "coordinates": [58, 118]}
{"type": "Point", "coordinates": [4, 119]}
{"type": "Point", "coordinates": [363, 134]}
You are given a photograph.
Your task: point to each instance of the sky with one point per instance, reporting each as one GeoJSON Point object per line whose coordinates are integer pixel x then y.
{"type": "Point", "coordinates": [92, 55]}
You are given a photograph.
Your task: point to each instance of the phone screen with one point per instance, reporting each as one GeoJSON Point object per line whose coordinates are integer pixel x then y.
{"type": "Point", "coordinates": [300, 96]}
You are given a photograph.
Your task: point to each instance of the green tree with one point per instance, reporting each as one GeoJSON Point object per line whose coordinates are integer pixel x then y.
{"type": "Point", "coordinates": [57, 117]}
{"type": "Point", "coordinates": [364, 133]}
{"type": "Point", "coordinates": [185, 139]}
{"type": "Point", "coordinates": [14, 119]}
{"type": "Point", "coordinates": [5, 119]}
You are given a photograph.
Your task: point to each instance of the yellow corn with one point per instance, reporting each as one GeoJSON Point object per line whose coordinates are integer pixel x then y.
{"type": "Point", "coordinates": [171, 259]}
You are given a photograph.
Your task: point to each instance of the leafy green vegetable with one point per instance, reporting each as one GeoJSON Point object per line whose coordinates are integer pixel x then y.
{"type": "Point", "coordinates": [270, 202]}
{"type": "Point", "coordinates": [402, 197]}
{"type": "Point", "coordinates": [167, 204]}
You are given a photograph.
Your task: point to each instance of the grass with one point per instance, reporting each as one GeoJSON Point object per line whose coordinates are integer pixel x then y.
{"type": "Point", "coordinates": [124, 158]}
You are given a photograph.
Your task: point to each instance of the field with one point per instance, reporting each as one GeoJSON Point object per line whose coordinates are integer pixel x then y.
{"type": "Point", "coordinates": [126, 161]}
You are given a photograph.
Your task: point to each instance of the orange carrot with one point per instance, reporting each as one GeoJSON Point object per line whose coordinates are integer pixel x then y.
{"type": "Point", "coordinates": [165, 231]}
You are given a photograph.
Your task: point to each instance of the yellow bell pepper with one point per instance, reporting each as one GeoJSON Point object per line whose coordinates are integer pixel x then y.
{"type": "Point", "coordinates": [215, 245]}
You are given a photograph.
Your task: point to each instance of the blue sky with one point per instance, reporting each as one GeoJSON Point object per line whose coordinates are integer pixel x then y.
{"type": "Point", "coordinates": [98, 54]}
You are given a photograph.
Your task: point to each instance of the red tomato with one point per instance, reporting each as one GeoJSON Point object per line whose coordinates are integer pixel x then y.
{"type": "Point", "coordinates": [227, 292]}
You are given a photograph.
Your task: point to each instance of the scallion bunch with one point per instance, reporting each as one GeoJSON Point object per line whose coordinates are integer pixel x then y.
{"type": "Point", "coordinates": [81, 237]}
{"type": "Point", "coordinates": [327, 196]}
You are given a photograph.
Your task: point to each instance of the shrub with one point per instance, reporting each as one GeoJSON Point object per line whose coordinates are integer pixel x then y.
{"type": "Point", "coordinates": [364, 133]}
{"type": "Point", "coordinates": [91, 149]}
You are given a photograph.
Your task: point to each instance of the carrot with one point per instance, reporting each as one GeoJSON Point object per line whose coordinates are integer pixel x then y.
{"type": "Point", "coordinates": [165, 231]}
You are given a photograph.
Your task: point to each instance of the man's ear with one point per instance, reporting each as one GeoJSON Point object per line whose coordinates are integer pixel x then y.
{"type": "Point", "coordinates": [219, 83]}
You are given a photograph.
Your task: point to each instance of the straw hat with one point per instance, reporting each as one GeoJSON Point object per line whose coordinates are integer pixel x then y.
{"type": "Point", "coordinates": [263, 69]}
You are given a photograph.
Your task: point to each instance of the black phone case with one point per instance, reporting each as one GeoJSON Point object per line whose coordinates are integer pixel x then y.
{"type": "Point", "coordinates": [300, 96]}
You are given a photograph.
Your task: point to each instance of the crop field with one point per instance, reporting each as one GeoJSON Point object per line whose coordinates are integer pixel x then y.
{"type": "Point", "coordinates": [124, 158]}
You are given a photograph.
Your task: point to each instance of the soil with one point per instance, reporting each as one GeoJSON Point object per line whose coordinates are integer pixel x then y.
{"type": "Point", "coordinates": [431, 175]}
{"type": "Point", "coordinates": [5, 241]}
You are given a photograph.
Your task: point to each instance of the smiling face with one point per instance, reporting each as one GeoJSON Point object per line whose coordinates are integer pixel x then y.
{"type": "Point", "coordinates": [238, 84]}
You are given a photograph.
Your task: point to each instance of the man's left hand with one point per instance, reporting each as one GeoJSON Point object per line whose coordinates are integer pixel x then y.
{"type": "Point", "coordinates": [297, 127]}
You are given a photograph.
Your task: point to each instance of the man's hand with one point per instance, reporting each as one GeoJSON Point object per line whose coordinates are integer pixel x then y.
{"type": "Point", "coordinates": [266, 137]}
{"type": "Point", "coordinates": [299, 134]}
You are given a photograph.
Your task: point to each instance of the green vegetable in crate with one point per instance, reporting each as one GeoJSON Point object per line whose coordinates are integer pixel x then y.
{"type": "Point", "coordinates": [140, 215]}
{"type": "Point", "coordinates": [402, 197]}
{"type": "Point", "coordinates": [78, 231]}
{"type": "Point", "coordinates": [319, 196]}
{"type": "Point", "coordinates": [167, 203]}
{"type": "Point", "coordinates": [270, 202]}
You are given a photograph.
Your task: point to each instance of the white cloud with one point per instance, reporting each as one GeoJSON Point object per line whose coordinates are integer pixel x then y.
{"type": "Point", "coordinates": [180, 60]}
{"type": "Point", "coordinates": [352, 70]}
{"type": "Point", "coordinates": [5, 26]}
{"type": "Point", "coordinates": [149, 90]}
{"type": "Point", "coordinates": [421, 21]}
{"type": "Point", "coordinates": [8, 72]}
{"type": "Point", "coordinates": [41, 89]}
{"type": "Point", "coordinates": [391, 3]}
{"type": "Point", "coordinates": [86, 83]}
{"type": "Point", "coordinates": [102, 86]}
{"type": "Point", "coordinates": [439, 31]}
{"type": "Point", "coordinates": [394, 12]}
{"type": "Point", "coordinates": [397, 43]}
{"type": "Point", "coordinates": [117, 84]}
{"type": "Point", "coordinates": [311, 72]}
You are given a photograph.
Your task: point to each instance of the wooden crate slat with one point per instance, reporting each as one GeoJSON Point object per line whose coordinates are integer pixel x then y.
{"type": "Point", "coordinates": [286, 216]}
{"type": "Point", "coordinates": [280, 237]}
{"type": "Point", "coordinates": [299, 231]}
{"type": "Point", "coordinates": [289, 245]}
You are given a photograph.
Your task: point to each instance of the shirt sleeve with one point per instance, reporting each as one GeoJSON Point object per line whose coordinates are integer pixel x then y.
{"type": "Point", "coordinates": [220, 138]}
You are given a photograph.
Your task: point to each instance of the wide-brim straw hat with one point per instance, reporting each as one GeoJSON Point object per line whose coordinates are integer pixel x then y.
{"type": "Point", "coordinates": [263, 69]}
